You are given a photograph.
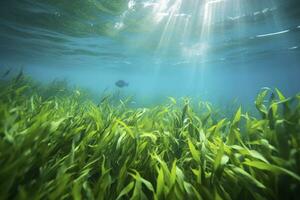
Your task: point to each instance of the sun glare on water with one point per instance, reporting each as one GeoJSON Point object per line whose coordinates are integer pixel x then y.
{"type": "Point", "coordinates": [187, 28]}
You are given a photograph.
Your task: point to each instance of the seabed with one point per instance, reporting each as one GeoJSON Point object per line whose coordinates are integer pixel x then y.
{"type": "Point", "coordinates": [60, 145]}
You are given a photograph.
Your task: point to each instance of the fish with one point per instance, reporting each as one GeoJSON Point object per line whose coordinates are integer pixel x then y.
{"type": "Point", "coordinates": [121, 83]}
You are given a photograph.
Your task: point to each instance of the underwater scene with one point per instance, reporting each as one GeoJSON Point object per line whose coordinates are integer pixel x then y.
{"type": "Point", "coordinates": [150, 99]}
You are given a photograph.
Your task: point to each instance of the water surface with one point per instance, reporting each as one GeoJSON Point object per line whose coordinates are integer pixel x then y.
{"type": "Point", "coordinates": [216, 50]}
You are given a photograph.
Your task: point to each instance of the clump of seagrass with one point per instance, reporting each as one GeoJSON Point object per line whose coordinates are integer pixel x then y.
{"type": "Point", "coordinates": [62, 148]}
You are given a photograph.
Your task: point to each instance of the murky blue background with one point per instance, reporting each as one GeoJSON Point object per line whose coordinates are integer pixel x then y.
{"type": "Point", "coordinates": [216, 50]}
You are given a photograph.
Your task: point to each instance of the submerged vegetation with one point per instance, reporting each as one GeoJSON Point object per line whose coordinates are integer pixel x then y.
{"type": "Point", "coordinates": [63, 146]}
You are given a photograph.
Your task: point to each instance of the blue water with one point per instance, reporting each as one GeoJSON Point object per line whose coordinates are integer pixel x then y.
{"type": "Point", "coordinates": [215, 50]}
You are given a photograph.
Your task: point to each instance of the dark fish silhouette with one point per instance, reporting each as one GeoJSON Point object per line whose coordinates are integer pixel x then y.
{"type": "Point", "coordinates": [121, 84]}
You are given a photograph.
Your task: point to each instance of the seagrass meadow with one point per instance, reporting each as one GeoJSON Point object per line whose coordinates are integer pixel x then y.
{"type": "Point", "coordinates": [64, 146]}
{"type": "Point", "coordinates": [149, 100]}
